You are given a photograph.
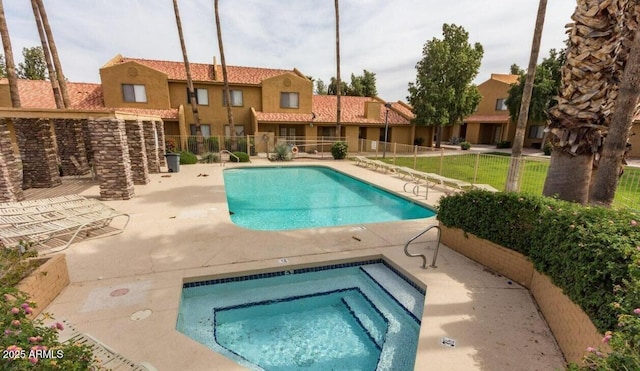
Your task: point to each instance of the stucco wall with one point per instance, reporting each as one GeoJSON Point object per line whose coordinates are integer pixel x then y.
{"type": "Point", "coordinates": [288, 82]}
{"type": "Point", "coordinates": [155, 83]}
{"type": "Point", "coordinates": [571, 327]}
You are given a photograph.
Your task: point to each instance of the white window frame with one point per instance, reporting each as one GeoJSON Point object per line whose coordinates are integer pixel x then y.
{"type": "Point", "coordinates": [289, 100]}
{"type": "Point", "coordinates": [134, 93]}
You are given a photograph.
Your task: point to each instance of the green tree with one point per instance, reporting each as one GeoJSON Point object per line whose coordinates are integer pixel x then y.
{"type": "Point", "coordinates": [3, 69]}
{"type": "Point", "coordinates": [321, 87]}
{"type": "Point", "coordinates": [34, 66]}
{"type": "Point", "coordinates": [332, 88]}
{"type": "Point", "coordinates": [364, 85]}
{"type": "Point", "coordinates": [443, 94]}
{"type": "Point", "coordinates": [546, 87]}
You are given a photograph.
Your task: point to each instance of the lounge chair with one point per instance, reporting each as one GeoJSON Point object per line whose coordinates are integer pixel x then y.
{"type": "Point", "coordinates": [38, 222]}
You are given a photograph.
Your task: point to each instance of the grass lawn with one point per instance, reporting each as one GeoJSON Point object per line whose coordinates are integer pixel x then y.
{"type": "Point", "coordinates": [491, 168]}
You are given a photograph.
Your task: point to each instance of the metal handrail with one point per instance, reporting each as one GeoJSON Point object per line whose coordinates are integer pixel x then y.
{"type": "Point", "coordinates": [230, 155]}
{"type": "Point", "coordinates": [424, 258]}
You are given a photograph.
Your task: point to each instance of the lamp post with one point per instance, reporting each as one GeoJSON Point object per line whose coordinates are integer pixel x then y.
{"type": "Point", "coordinates": [386, 129]}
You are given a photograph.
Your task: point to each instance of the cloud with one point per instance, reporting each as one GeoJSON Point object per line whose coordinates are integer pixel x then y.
{"type": "Point", "coordinates": [384, 37]}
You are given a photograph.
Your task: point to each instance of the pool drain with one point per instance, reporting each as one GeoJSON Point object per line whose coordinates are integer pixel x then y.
{"type": "Point", "coordinates": [140, 315]}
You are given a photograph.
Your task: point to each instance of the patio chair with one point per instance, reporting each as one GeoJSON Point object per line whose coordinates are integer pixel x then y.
{"type": "Point", "coordinates": [60, 218]}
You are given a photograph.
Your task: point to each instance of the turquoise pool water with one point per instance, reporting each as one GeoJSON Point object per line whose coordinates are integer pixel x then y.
{"type": "Point", "coordinates": [356, 316]}
{"type": "Point", "coordinates": [296, 197]}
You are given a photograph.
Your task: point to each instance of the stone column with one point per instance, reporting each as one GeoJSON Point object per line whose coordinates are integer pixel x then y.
{"type": "Point", "coordinates": [152, 145]}
{"type": "Point", "coordinates": [160, 130]}
{"type": "Point", "coordinates": [71, 148]}
{"type": "Point", "coordinates": [87, 141]}
{"type": "Point", "coordinates": [137, 152]}
{"type": "Point", "coordinates": [10, 180]}
{"type": "Point", "coordinates": [111, 158]}
{"type": "Point", "coordinates": [38, 153]}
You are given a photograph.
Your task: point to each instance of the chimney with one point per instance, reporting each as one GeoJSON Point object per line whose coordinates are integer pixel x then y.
{"type": "Point", "coordinates": [372, 110]}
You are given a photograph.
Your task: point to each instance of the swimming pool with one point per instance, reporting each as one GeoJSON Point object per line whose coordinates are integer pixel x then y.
{"type": "Point", "coordinates": [296, 197]}
{"type": "Point", "coordinates": [356, 316]}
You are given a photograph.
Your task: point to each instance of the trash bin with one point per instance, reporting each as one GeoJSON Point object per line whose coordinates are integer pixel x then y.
{"type": "Point", "coordinates": [173, 162]}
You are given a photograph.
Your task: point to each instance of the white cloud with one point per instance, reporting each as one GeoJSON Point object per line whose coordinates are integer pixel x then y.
{"type": "Point", "coordinates": [384, 37]}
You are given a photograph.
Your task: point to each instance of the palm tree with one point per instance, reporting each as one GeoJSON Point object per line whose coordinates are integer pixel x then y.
{"type": "Point", "coordinates": [615, 145]}
{"type": "Point", "coordinates": [187, 67]}
{"type": "Point", "coordinates": [596, 55]}
{"type": "Point", "coordinates": [225, 78]}
{"type": "Point", "coordinates": [8, 55]}
{"type": "Point", "coordinates": [518, 141]}
{"type": "Point", "coordinates": [47, 56]}
{"type": "Point", "coordinates": [338, 82]}
{"type": "Point", "coordinates": [62, 82]}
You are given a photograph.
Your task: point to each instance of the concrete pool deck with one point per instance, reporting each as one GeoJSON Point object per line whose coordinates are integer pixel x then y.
{"type": "Point", "coordinates": [180, 229]}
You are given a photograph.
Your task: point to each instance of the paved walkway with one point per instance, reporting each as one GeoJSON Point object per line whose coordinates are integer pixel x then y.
{"type": "Point", "coordinates": [125, 289]}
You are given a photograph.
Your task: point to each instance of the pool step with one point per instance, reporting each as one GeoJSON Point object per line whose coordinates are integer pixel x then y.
{"type": "Point", "coordinates": [400, 290]}
{"type": "Point", "coordinates": [368, 317]}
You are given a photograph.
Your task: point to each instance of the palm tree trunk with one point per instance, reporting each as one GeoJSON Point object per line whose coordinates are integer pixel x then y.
{"type": "Point", "coordinates": [610, 166]}
{"type": "Point", "coordinates": [8, 57]}
{"type": "Point", "coordinates": [47, 56]}
{"type": "Point", "coordinates": [225, 78]}
{"type": "Point", "coordinates": [54, 55]}
{"type": "Point", "coordinates": [513, 175]}
{"type": "Point", "coordinates": [596, 55]}
{"type": "Point", "coordinates": [338, 81]}
{"type": "Point", "coordinates": [187, 67]}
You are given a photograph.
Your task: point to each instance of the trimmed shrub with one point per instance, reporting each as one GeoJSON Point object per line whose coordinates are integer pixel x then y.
{"type": "Point", "coordinates": [241, 157]}
{"type": "Point", "coordinates": [339, 150]}
{"type": "Point", "coordinates": [187, 158]}
{"type": "Point", "coordinates": [503, 144]}
{"type": "Point", "coordinates": [465, 145]}
{"type": "Point", "coordinates": [283, 152]}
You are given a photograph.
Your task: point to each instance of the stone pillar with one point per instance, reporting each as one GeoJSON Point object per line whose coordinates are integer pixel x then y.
{"type": "Point", "coordinates": [137, 152]}
{"type": "Point", "coordinates": [10, 180]}
{"type": "Point", "coordinates": [111, 158]}
{"type": "Point", "coordinates": [71, 148]}
{"type": "Point", "coordinates": [162, 149]}
{"type": "Point", "coordinates": [152, 145]}
{"type": "Point", "coordinates": [38, 153]}
{"type": "Point", "coordinates": [87, 141]}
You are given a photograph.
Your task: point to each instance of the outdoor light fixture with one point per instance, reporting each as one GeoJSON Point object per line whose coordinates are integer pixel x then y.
{"type": "Point", "coordinates": [386, 129]}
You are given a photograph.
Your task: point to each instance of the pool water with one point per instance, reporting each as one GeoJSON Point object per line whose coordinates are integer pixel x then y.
{"type": "Point", "coordinates": [356, 316]}
{"type": "Point", "coordinates": [296, 197]}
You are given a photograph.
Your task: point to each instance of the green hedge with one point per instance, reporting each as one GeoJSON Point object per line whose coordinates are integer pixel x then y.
{"type": "Point", "coordinates": [591, 253]}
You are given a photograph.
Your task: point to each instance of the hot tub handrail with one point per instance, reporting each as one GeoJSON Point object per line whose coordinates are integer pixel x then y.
{"type": "Point", "coordinates": [230, 155]}
{"type": "Point", "coordinates": [424, 258]}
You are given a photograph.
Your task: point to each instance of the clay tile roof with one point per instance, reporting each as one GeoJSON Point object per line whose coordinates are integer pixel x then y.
{"type": "Point", "coordinates": [488, 118]}
{"type": "Point", "coordinates": [38, 94]}
{"type": "Point", "coordinates": [205, 72]}
{"type": "Point", "coordinates": [324, 106]}
{"type": "Point", "coordinates": [283, 117]}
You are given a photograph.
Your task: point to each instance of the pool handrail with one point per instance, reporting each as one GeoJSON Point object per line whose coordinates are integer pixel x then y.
{"type": "Point", "coordinates": [424, 258]}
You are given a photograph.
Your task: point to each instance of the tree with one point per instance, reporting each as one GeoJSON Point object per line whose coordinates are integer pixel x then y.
{"type": "Point", "coordinates": [599, 42]}
{"type": "Point", "coordinates": [523, 116]}
{"type": "Point", "coordinates": [338, 81]}
{"type": "Point", "coordinates": [443, 94]}
{"type": "Point", "coordinates": [55, 85]}
{"type": "Point", "coordinates": [546, 86]}
{"type": "Point", "coordinates": [34, 66]}
{"type": "Point", "coordinates": [3, 69]}
{"type": "Point", "coordinates": [332, 88]}
{"type": "Point", "coordinates": [62, 82]}
{"type": "Point", "coordinates": [191, 91]}
{"type": "Point", "coordinates": [615, 147]}
{"type": "Point", "coordinates": [363, 86]}
{"type": "Point", "coordinates": [321, 88]}
{"type": "Point", "coordinates": [8, 53]}
{"type": "Point", "coordinates": [225, 78]}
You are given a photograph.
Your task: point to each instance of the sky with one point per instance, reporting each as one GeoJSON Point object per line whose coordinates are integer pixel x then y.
{"type": "Point", "coordinates": [380, 36]}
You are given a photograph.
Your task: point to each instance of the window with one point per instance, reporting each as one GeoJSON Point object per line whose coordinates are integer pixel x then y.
{"type": "Point", "coordinates": [327, 131]}
{"type": "Point", "coordinates": [239, 130]}
{"type": "Point", "coordinates": [134, 93]}
{"type": "Point", "coordinates": [536, 132]}
{"type": "Point", "coordinates": [501, 104]}
{"type": "Point", "coordinates": [204, 128]}
{"type": "Point", "coordinates": [289, 100]}
{"type": "Point", "coordinates": [202, 96]}
{"type": "Point", "coordinates": [236, 98]}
